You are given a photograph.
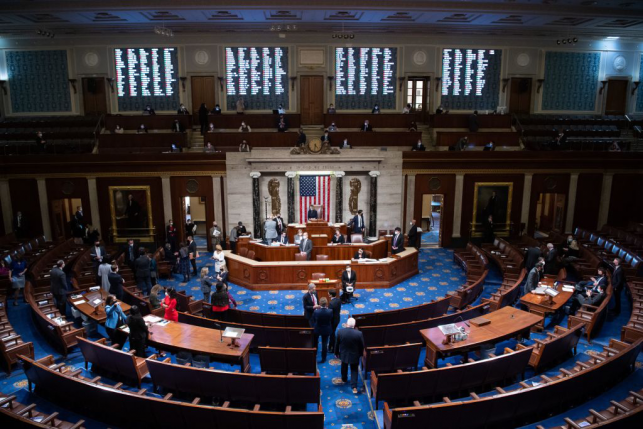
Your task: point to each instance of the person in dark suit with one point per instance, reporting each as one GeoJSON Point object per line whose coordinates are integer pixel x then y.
{"type": "Point", "coordinates": [349, 347]}
{"type": "Point", "coordinates": [600, 280]}
{"type": "Point", "coordinates": [170, 235]}
{"type": "Point", "coordinates": [148, 110]}
{"type": "Point", "coordinates": [20, 225]}
{"type": "Point", "coordinates": [397, 242]}
{"type": "Point", "coordinates": [618, 284]}
{"type": "Point", "coordinates": [138, 331]}
{"type": "Point", "coordinates": [142, 272]}
{"type": "Point", "coordinates": [41, 143]}
{"type": "Point", "coordinates": [359, 254]}
{"type": "Point", "coordinates": [115, 282]}
{"type": "Point", "coordinates": [203, 118]}
{"type": "Point", "coordinates": [376, 109]}
{"type": "Point", "coordinates": [283, 238]}
{"type": "Point", "coordinates": [323, 323]}
{"type": "Point", "coordinates": [490, 210]}
{"type": "Point", "coordinates": [192, 254]}
{"type": "Point", "coordinates": [182, 110]}
{"type": "Point", "coordinates": [531, 257]}
{"type": "Point", "coordinates": [97, 254]}
{"type": "Point", "coordinates": [306, 246]}
{"type": "Point", "coordinates": [216, 110]}
{"type": "Point", "coordinates": [131, 253]}
{"type": "Point", "coordinates": [280, 224]}
{"type": "Point", "coordinates": [473, 122]}
{"type": "Point", "coordinates": [533, 278]}
{"type": "Point", "coordinates": [413, 235]}
{"type": "Point", "coordinates": [366, 126]}
{"type": "Point", "coordinates": [551, 260]}
{"type": "Point", "coordinates": [311, 303]}
{"type": "Point", "coordinates": [418, 146]}
{"type": "Point", "coordinates": [241, 229]}
{"type": "Point", "coordinates": [349, 280]}
{"type": "Point", "coordinates": [588, 298]}
{"type": "Point", "coordinates": [358, 222]}
{"type": "Point", "coordinates": [59, 286]}
{"type": "Point", "coordinates": [132, 211]}
{"type": "Point", "coordinates": [335, 306]}
{"type": "Point", "coordinates": [301, 138]}
{"type": "Point", "coordinates": [325, 138]}
{"type": "Point", "coordinates": [489, 230]}
{"type": "Point", "coordinates": [79, 216]}
{"type": "Point", "coordinates": [338, 238]}
{"type": "Point", "coordinates": [312, 213]}
{"type": "Point", "coordinates": [177, 127]}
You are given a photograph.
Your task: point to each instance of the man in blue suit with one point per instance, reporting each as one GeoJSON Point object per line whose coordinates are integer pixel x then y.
{"type": "Point", "coordinates": [349, 347]}
{"type": "Point", "coordinates": [323, 323]}
{"type": "Point", "coordinates": [358, 222]}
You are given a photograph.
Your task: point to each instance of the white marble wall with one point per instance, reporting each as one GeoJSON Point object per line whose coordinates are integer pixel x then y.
{"type": "Point", "coordinates": [275, 163]}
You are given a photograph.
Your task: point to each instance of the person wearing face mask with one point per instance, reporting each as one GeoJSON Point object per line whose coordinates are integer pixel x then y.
{"type": "Point", "coordinates": [349, 280]}
{"type": "Point", "coordinates": [97, 254]}
{"type": "Point", "coordinates": [171, 235]}
{"type": "Point", "coordinates": [413, 235]}
{"type": "Point", "coordinates": [397, 242]}
{"type": "Point", "coordinates": [182, 110]}
{"type": "Point", "coordinates": [142, 129]}
{"type": "Point", "coordinates": [306, 246]}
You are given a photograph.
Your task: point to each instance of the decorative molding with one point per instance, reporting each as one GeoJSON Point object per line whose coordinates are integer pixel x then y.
{"type": "Point", "coordinates": [255, 174]}
{"type": "Point", "coordinates": [291, 174]}
{"type": "Point", "coordinates": [374, 173]}
{"type": "Point", "coordinates": [339, 173]}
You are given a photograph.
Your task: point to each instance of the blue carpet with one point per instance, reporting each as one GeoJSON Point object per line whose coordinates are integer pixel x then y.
{"type": "Point", "coordinates": [343, 409]}
{"type": "Point", "coordinates": [431, 237]}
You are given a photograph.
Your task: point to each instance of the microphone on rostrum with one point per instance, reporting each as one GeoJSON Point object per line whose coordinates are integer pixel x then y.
{"type": "Point", "coordinates": [220, 328]}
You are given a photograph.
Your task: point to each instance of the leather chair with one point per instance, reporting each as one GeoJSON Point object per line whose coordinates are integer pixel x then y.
{"type": "Point", "coordinates": [357, 238]}
{"type": "Point", "coordinates": [300, 257]}
{"type": "Point", "coordinates": [317, 276]}
{"type": "Point", "coordinates": [243, 251]}
{"type": "Point", "coordinates": [368, 253]}
{"type": "Point", "coordinates": [251, 255]}
{"type": "Point", "coordinates": [381, 232]}
{"type": "Point", "coordinates": [322, 257]}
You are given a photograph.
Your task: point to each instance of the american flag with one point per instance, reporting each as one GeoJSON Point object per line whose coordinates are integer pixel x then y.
{"type": "Point", "coordinates": [314, 190]}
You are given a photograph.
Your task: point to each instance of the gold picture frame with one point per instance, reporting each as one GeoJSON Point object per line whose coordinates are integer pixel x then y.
{"type": "Point", "coordinates": [501, 207]}
{"type": "Point", "coordinates": [126, 224]}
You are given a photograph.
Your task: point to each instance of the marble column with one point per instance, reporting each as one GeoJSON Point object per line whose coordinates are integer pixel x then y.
{"type": "Point", "coordinates": [93, 203]}
{"type": "Point", "coordinates": [410, 202]}
{"type": "Point", "coordinates": [7, 210]}
{"type": "Point", "coordinates": [372, 215]}
{"type": "Point", "coordinates": [457, 206]}
{"type": "Point", "coordinates": [291, 195]}
{"type": "Point", "coordinates": [571, 203]}
{"type": "Point", "coordinates": [606, 194]}
{"type": "Point", "coordinates": [339, 196]}
{"type": "Point", "coordinates": [216, 203]}
{"type": "Point", "coordinates": [167, 203]}
{"type": "Point", "coordinates": [526, 200]}
{"type": "Point", "coordinates": [256, 205]}
{"type": "Point", "coordinates": [44, 208]}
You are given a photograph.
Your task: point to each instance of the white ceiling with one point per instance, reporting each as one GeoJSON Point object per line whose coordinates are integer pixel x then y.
{"type": "Point", "coordinates": [534, 18]}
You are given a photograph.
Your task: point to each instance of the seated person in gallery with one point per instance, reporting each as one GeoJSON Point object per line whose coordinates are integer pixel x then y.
{"type": "Point", "coordinates": [41, 143]}
{"type": "Point", "coordinates": [216, 110]}
{"type": "Point", "coordinates": [118, 129]}
{"type": "Point", "coordinates": [281, 126]}
{"type": "Point", "coordinates": [312, 213]}
{"type": "Point", "coordinates": [325, 138]}
{"type": "Point", "coordinates": [345, 145]}
{"type": "Point", "coordinates": [244, 147]}
{"type": "Point", "coordinates": [558, 142]}
{"type": "Point", "coordinates": [333, 128]}
{"type": "Point", "coordinates": [331, 109]}
{"type": "Point", "coordinates": [614, 147]}
{"type": "Point", "coordinates": [461, 144]}
{"type": "Point", "coordinates": [208, 148]}
{"type": "Point", "coordinates": [299, 236]}
{"type": "Point", "coordinates": [148, 110]}
{"type": "Point", "coordinates": [182, 110]}
{"type": "Point", "coordinates": [418, 146]}
{"type": "Point", "coordinates": [244, 128]}
{"type": "Point", "coordinates": [359, 254]}
{"type": "Point", "coordinates": [489, 147]}
{"type": "Point", "coordinates": [366, 126]}
{"type": "Point", "coordinates": [407, 109]}
{"type": "Point", "coordinates": [283, 239]}
{"type": "Point", "coordinates": [174, 148]}
{"type": "Point", "coordinates": [413, 127]}
{"type": "Point", "coordinates": [338, 238]}
{"type": "Point", "coordinates": [177, 127]}
{"type": "Point", "coordinates": [211, 128]}
{"type": "Point", "coordinates": [142, 129]}
{"type": "Point", "coordinates": [588, 298]}
{"type": "Point", "coordinates": [599, 280]}
{"type": "Point", "coordinates": [439, 110]}
{"type": "Point", "coordinates": [301, 138]}
{"type": "Point", "coordinates": [376, 109]}
{"type": "Point", "coordinates": [281, 110]}
{"type": "Point", "coordinates": [473, 122]}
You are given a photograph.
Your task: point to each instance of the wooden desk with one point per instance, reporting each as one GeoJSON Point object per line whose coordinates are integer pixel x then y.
{"type": "Point", "coordinates": [381, 120]}
{"type": "Point", "coordinates": [98, 314]}
{"type": "Point", "coordinates": [255, 120]}
{"type": "Point", "coordinates": [461, 120]}
{"type": "Point", "coordinates": [315, 228]}
{"type": "Point", "coordinates": [175, 337]}
{"type": "Point", "coordinates": [265, 253]}
{"type": "Point", "coordinates": [375, 138]}
{"type": "Point", "coordinates": [152, 122]}
{"type": "Point", "coordinates": [254, 139]}
{"type": "Point", "coordinates": [508, 322]}
{"type": "Point", "coordinates": [323, 288]}
{"type": "Point", "coordinates": [540, 304]}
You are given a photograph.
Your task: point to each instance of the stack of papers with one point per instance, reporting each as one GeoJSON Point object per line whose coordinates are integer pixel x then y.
{"type": "Point", "coordinates": [568, 288]}
{"type": "Point", "coordinates": [152, 319]}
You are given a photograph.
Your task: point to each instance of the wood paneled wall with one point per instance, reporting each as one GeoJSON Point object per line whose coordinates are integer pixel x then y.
{"type": "Point", "coordinates": [588, 200]}
{"type": "Point", "coordinates": [24, 198]}
{"type": "Point", "coordinates": [543, 184]}
{"type": "Point", "coordinates": [626, 201]}
{"type": "Point", "coordinates": [179, 189]}
{"type": "Point", "coordinates": [423, 185]}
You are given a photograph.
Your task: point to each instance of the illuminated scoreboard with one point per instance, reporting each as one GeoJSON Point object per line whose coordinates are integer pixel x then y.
{"type": "Point", "coordinates": [259, 75]}
{"type": "Point", "coordinates": [146, 76]}
{"type": "Point", "coordinates": [471, 79]}
{"type": "Point", "coordinates": [365, 77]}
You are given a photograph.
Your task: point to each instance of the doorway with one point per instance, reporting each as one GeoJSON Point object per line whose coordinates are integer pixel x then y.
{"type": "Point", "coordinates": [417, 95]}
{"type": "Point", "coordinates": [193, 210]}
{"type": "Point", "coordinates": [63, 211]}
{"type": "Point", "coordinates": [616, 97]}
{"type": "Point", "coordinates": [94, 96]}
{"type": "Point", "coordinates": [203, 91]}
{"type": "Point", "coordinates": [550, 213]}
{"type": "Point", "coordinates": [520, 95]}
{"type": "Point", "coordinates": [311, 100]}
{"type": "Point", "coordinates": [431, 222]}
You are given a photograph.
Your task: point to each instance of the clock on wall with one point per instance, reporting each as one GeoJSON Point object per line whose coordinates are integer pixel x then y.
{"type": "Point", "coordinates": [314, 145]}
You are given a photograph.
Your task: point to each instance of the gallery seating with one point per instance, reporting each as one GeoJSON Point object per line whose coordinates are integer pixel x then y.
{"type": "Point", "coordinates": [381, 120]}
{"type": "Point", "coordinates": [391, 358]}
{"type": "Point", "coordinates": [93, 398]}
{"type": "Point", "coordinates": [11, 344]}
{"type": "Point", "coordinates": [633, 329]}
{"type": "Point", "coordinates": [124, 366]}
{"type": "Point", "coordinates": [432, 309]}
{"type": "Point", "coordinates": [477, 139]}
{"type": "Point", "coordinates": [556, 345]}
{"type": "Point", "coordinates": [280, 360]}
{"type": "Point", "coordinates": [140, 143]}
{"type": "Point", "coordinates": [255, 120]}
{"type": "Point", "coordinates": [152, 122]}
{"type": "Point", "coordinates": [235, 315]}
{"type": "Point", "coordinates": [508, 258]}
{"type": "Point", "coordinates": [507, 293]}
{"type": "Point", "coordinates": [15, 415]}
{"type": "Point", "coordinates": [187, 304]}
{"type": "Point", "coordinates": [591, 316]}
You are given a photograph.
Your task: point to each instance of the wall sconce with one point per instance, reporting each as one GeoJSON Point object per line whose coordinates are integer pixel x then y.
{"type": "Point", "coordinates": [504, 85]}
{"type": "Point", "coordinates": [603, 85]}
{"type": "Point", "coordinates": [401, 81]}
{"type": "Point", "coordinates": [331, 79]}
{"type": "Point", "coordinates": [634, 87]}
{"type": "Point", "coordinates": [183, 79]}
{"type": "Point", "coordinates": [437, 83]}
{"type": "Point", "coordinates": [540, 85]}
{"type": "Point", "coordinates": [111, 80]}
{"type": "Point", "coordinates": [292, 83]}
{"type": "Point", "coordinates": [221, 83]}
{"type": "Point", "coordinates": [73, 84]}
{"type": "Point", "coordinates": [4, 88]}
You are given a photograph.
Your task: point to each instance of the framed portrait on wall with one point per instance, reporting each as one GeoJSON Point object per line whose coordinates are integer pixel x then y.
{"type": "Point", "coordinates": [492, 199]}
{"type": "Point", "coordinates": [131, 211]}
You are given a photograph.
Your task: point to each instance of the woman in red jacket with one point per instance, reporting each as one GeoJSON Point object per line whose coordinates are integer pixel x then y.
{"type": "Point", "coordinates": [169, 304]}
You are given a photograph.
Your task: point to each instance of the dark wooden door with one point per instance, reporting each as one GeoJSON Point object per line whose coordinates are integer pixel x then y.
{"type": "Point", "coordinates": [60, 225]}
{"type": "Point", "coordinates": [616, 97]}
{"type": "Point", "coordinates": [203, 91]}
{"type": "Point", "coordinates": [94, 95]}
{"type": "Point", "coordinates": [520, 95]}
{"type": "Point", "coordinates": [311, 100]}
